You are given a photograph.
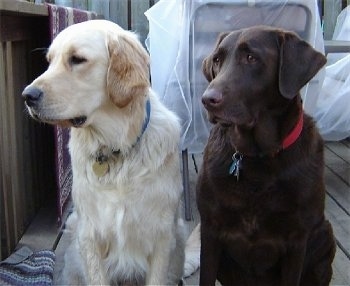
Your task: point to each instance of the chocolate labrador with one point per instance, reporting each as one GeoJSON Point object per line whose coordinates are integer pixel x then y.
{"type": "Point", "coordinates": [261, 191]}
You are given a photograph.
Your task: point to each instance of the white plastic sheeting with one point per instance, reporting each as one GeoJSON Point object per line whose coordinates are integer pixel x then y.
{"type": "Point", "coordinates": [183, 32]}
{"type": "Point", "coordinates": [332, 112]}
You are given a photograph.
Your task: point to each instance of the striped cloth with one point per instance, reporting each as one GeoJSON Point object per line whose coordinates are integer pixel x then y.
{"type": "Point", "coordinates": [26, 268]}
{"type": "Point", "coordinates": [60, 18]}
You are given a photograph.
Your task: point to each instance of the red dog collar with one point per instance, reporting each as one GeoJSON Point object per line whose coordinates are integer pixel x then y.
{"type": "Point", "coordinates": [287, 141]}
{"type": "Point", "coordinates": [295, 133]}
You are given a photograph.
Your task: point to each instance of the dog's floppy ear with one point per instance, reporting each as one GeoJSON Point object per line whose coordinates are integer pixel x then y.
{"type": "Point", "coordinates": [128, 71]}
{"type": "Point", "coordinates": [207, 68]}
{"type": "Point", "coordinates": [207, 64]}
{"type": "Point", "coordinates": [299, 62]}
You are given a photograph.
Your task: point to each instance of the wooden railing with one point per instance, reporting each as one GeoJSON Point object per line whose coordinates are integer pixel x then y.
{"type": "Point", "coordinates": [26, 168]}
{"type": "Point", "coordinates": [129, 14]}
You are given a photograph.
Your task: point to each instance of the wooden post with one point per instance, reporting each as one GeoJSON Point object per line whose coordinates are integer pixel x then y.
{"type": "Point", "coordinates": [118, 12]}
{"type": "Point", "coordinates": [139, 22]}
{"type": "Point", "coordinates": [332, 9]}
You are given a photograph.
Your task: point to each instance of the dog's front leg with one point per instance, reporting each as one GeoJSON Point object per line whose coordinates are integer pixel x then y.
{"type": "Point", "coordinates": [292, 264]}
{"type": "Point", "coordinates": [210, 256]}
{"type": "Point", "coordinates": [159, 262]}
{"type": "Point", "coordinates": [93, 263]}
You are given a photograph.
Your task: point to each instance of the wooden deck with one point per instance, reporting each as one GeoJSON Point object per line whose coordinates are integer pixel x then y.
{"type": "Point", "coordinates": [337, 177]}
{"type": "Point", "coordinates": [42, 233]}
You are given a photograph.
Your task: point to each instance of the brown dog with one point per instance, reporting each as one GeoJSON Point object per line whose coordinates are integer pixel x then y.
{"type": "Point", "coordinates": [261, 190]}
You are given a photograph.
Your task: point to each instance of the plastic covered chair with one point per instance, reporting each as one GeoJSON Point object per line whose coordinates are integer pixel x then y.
{"type": "Point", "coordinates": [332, 111]}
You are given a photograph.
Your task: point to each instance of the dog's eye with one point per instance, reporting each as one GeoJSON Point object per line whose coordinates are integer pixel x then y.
{"type": "Point", "coordinates": [216, 60]}
{"type": "Point", "coordinates": [251, 59]}
{"type": "Point", "coordinates": [75, 60]}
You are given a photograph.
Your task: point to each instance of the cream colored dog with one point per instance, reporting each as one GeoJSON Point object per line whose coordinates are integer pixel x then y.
{"type": "Point", "coordinates": [124, 150]}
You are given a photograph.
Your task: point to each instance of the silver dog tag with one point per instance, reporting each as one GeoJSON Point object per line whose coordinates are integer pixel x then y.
{"type": "Point", "coordinates": [235, 165]}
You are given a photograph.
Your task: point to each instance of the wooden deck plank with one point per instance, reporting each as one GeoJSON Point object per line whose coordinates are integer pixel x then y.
{"type": "Point", "coordinates": [340, 221]}
{"type": "Point", "coordinates": [337, 189]}
{"type": "Point", "coordinates": [340, 170]}
{"type": "Point", "coordinates": [42, 232]}
{"type": "Point", "coordinates": [341, 269]}
{"type": "Point", "coordinates": [341, 149]}
{"type": "Point", "coordinates": [337, 157]}
{"type": "Point", "coordinates": [337, 173]}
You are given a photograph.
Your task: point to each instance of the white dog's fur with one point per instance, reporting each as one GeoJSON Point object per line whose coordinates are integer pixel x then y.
{"type": "Point", "coordinates": [125, 227]}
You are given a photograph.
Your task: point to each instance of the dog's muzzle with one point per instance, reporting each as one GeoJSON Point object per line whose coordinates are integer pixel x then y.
{"type": "Point", "coordinates": [33, 96]}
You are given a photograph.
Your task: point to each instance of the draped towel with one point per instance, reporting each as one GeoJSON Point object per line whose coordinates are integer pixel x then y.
{"type": "Point", "coordinates": [60, 18]}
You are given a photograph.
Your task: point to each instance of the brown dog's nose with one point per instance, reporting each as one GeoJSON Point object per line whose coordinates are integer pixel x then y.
{"type": "Point", "coordinates": [32, 95]}
{"type": "Point", "coordinates": [211, 97]}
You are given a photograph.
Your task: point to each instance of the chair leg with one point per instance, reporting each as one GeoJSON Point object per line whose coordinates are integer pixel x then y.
{"type": "Point", "coordinates": [186, 185]}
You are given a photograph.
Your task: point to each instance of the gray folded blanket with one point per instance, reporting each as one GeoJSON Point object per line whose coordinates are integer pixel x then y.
{"type": "Point", "coordinates": [25, 267]}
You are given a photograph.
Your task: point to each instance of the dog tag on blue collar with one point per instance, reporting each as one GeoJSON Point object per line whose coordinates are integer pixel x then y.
{"type": "Point", "coordinates": [235, 165]}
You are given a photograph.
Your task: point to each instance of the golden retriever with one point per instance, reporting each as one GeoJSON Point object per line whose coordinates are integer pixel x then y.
{"type": "Point", "coordinates": [125, 227]}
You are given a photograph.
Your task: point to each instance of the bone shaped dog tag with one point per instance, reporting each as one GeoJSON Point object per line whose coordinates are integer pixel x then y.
{"type": "Point", "coordinates": [100, 168]}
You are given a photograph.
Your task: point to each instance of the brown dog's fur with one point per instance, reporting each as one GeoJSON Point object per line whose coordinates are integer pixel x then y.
{"type": "Point", "coordinates": [266, 227]}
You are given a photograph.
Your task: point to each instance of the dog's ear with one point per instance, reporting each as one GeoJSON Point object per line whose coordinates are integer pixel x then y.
{"type": "Point", "coordinates": [207, 64]}
{"type": "Point", "coordinates": [128, 71]}
{"type": "Point", "coordinates": [299, 62]}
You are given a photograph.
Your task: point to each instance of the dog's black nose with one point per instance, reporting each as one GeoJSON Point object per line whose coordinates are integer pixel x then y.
{"type": "Point", "coordinates": [212, 97]}
{"type": "Point", "coordinates": [32, 95]}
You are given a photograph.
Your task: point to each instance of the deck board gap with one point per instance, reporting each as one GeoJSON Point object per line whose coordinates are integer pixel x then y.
{"type": "Point", "coordinates": [338, 203]}
{"type": "Point", "coordinates": [336, 174]}
{"type": "Point", "coordinates": [343, 249]}
{"type": "Point", "coordinates": [337, 155]}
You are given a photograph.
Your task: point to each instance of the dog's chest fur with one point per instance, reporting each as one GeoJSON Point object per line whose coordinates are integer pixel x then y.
{"type": "Point", "coordinates": [126, 191]}
{"type": "Point", "coordinates": [124, 211]}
